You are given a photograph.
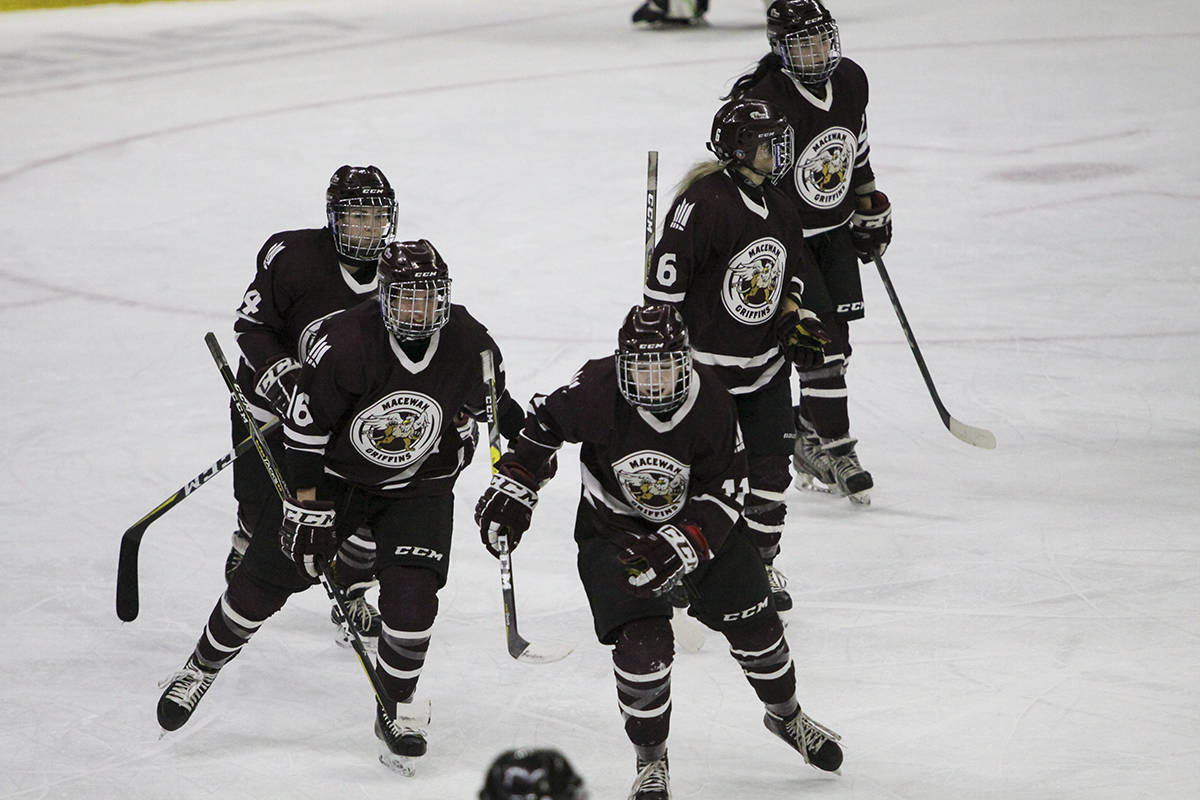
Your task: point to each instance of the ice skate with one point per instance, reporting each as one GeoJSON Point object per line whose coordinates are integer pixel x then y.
{"type": "Point", "coordinates": [653, 781]}
{"type": "Point", "coordinates": [402, 740]}
{"type": "Point", "coordinates": [816, 743]}
{"type": "Point", "coordinates": [365, 617]}
{"type": "Point", "coordinates": [779, 593]}
{"type": "Point", "coordinates": [814, 470]}
{"type": "Point", "coordinates": [669, 13]}
{"type": "Point", "coordinates": [183, 692]}
{"type": "Point", "coordinates": [851, 479]}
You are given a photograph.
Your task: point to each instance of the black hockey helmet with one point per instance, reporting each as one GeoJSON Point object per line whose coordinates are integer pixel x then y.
{"type": "Point", "coordinates": [361, 207]}
{"type": "Point", "coordinates": [654, 359]}
{"type": "Point", "coordinates": [741, 126]}
{"type": "Point", "coordinates": [805, 37]}
{"type": "Point", "coordinates": [414, 289]}
{"type": "Point", "coordinates": [542, 774]}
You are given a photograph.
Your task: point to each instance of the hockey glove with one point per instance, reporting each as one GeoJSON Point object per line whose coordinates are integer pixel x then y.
{"type": "Point", "coordinates": [507, 505]}
{"type": "Point", "coordinates": [802, 338]}
{"type": "Point", "coordinates": [307, 535]}
{"type": "Point", "coordinates": [276, 383]}
{"type": "Point", "coordinates": [656, 562]}
{"type": "Point", "coordinates": [871, 228]}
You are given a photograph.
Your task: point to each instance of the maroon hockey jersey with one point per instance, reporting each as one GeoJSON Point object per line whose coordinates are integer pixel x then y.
{"type": "Point", "coordinates": [832, 151]}
{"type": "Point", "coordinates": [298, 284]}
{"type": "Point", "coordinates": [368, 412]}
{"type": "Point", "coordinates": [728, 256]}
{"type": "Point", "coordinates": [688, 467]}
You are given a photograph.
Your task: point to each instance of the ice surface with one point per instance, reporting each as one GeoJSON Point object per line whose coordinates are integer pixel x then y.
{"type": "Point", "coordinates": [1016, 623]}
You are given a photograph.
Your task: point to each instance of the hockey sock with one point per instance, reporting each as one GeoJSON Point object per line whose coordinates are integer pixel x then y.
{"type": "Point", "coordinates": [408, 604]}
{"type": "Point", "coordinates": [762, 652]}
{"type": "Point", "coordinates": [823, 393]}
{"type": "Point", "coordinates": [642, 661]}
{"type": "Point", "coordinates": [240, 612]}
{"type": "Point", "coordinates": [765, 509]}
{"type": "Point", "coordinates": [355, 560]}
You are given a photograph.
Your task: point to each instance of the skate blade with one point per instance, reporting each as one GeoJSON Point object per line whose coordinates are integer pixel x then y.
{"type": "Point", "coordinates": [401, 765]}
{"type": "Point", "coordinates": [806, 482]}
{"type": "Point", "coordinates": [862, 498]}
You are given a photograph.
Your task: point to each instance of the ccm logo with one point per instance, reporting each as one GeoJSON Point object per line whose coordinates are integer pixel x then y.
{"type": "Point", "coordinates": [748, 612]}
{"type": "Point", "coordinates": [846, 307]}
{"type": "Point", "coordinates": [419, 552]}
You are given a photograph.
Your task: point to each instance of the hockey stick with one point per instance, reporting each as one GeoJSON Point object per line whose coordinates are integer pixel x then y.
{"type": "Point", "coordinates": [967, 433]}
{"type": "Point", "coordinates": [331, 589]}
{"type": "Point", "coordinates": [518, 647]}
{"type": "Point", "coordinates": [131, 540]}
{"type": "Point", "coordinates": [651, 205]}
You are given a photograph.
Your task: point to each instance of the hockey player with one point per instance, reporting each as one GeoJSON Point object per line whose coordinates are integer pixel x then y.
{"type": "Point", "coordinates": [664, 478]}
{"type": "Point", "coordinates": [733, 260]}
{"type": "Point", "coordinates": [303, 278]}
{"type": "Point", "coordinates": [377, 432]}
{"type": "Point", "coordinates": [824, 97]}
{"type": "Point", "coordinates": [667, 13]}
{"type": "Point", "coordinates": [541, 774]}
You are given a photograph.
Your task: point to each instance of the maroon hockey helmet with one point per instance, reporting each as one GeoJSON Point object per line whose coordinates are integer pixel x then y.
{"type": "Point", "coordinates": [414, 289]}
{"type": "Point", "coordinates": [805, 37]}
{"type": "Point", "coordinates": [542, 774]}
{"type": "Point", "coordinates": [361, 207]}
{"type": "Point", "coordinates": [741, 126]}
{"type": "Point", "coordinates": [654, 358]}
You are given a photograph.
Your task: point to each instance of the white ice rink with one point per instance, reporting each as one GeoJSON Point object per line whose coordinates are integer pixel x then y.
{"type": "Point", "coordinates": [1017, 623]}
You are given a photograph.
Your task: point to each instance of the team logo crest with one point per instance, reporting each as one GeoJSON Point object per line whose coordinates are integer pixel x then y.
{"type": "Point", "coordinates": [654, 484]}
{"type": "Point", "coordinates": [398, 430]}
{"type": "Point", "coordinates": [754, 281]}
{"type": "Point", "coordinates": [823, 170]}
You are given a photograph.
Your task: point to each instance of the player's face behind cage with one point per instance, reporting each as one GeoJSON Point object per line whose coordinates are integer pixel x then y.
{"type": "Point", "coordinates": [657, 382]}
{"type": "Point", "coordinates": [812, 54]}
{"type": "Point", "coordinates": [775, 156]}
{"type": "Point", "coordinates": [415, 309]}
{"type": "Point", "coordinates": [362, 225]}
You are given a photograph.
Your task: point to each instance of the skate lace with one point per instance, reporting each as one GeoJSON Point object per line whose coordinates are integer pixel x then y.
{"type": "Point", "coordinates": [362, 613]}
{"type": "Point", "coordinates": [814, 460]}
{"type": "Point", "coordinates": [407, 721]}
{"type": "Point", "coordinates": [188, 685]}
{"type": "Point", "coordinates": [652, 777]}
{"type": "Point", "coordinates": [812, 734]}
{"type": "Point", "coordinates": [846, 465]}
{"type": "Point", "coordinates": [776, 579]}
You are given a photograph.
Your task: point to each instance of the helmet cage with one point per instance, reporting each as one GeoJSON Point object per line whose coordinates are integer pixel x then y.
{"type": "Point", "coordinates": [415, 309]}
{"type": "Point", "coordinates": [809, 54]}
{"type": "Point", "coordinates": [361, 226]}
{"type": "Point", "coordinates": [781, 140]}
{"type": "Point", "coordinates": [657, 381]}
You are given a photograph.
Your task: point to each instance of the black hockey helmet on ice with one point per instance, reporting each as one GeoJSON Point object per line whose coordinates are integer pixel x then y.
{"type": "Point", "coordinates": [805, 37]}
{"type": "Point", "coordinates": [741, 126]}
{"type": "Point", "coordinates": [542, 774]}
{"type": "Point", "coordinates": [654, 358]}
{"type": "Point", "coordinates": [361, 207]}
{"type": "Point", "coordinates": [414, 289]}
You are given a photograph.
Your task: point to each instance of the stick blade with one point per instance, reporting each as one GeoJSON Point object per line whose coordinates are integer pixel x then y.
{"type": "Point", "coordinates": [542, 655]}
{"type": "Point", "coordinates": [972, 435]}
{"type": "Point", "coordinates": [127, 575]}
{"type": "Point", "coordinates": [520, 649]}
